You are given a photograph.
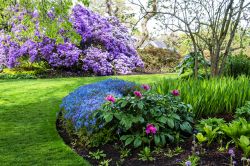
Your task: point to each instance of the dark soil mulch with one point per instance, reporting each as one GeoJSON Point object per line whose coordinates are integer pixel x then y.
{"type": "Point", "coordinates": [211, 158]}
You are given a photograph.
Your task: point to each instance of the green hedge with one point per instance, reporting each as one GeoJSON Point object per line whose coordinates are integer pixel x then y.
{"type": "Point", "coordinates": [238, 65]}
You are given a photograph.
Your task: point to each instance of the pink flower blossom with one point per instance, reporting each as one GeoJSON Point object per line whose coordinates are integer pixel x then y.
{"type": "Point", "coordinates": [175, 93]}
{"type": "Point", "coordinates": [151, 129]}
{"type": "Point", "coordinates": [138, 94]}
{"type": "Point", "coordinates": [110, 98]}
{"type": "Point", "coordinates": [146, 87]}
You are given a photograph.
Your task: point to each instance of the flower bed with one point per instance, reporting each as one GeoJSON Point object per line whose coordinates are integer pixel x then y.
{"type": "Point", "coordinates": [117, 122]}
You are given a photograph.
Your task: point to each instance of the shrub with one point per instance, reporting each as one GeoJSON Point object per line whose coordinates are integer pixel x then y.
{"type": "Point", "coordinates": [238, 65]}
{"type": "Point", "coordinates": [238, 132]}
{"type": "Point", "coordinates": [236, 129]}
{"type": "Point", "coordinates": [244, 111]}
{"type": "Point", "coordinates": [17, 76]}
{"type": "Point", "coordinates": [78, 106]}
{"type": "Point", "coordinates": [213, 122]}
{"type": "Point", "coordinates": [159, 60]}
{"type": "Point", "coordinates": [69, 41]}
{"type": "Point", "coordinates": [145, 116]}
{"type": "Point", "coordinates": [188, 64]}
{"type": "Point", "coordinates": [210, 97]}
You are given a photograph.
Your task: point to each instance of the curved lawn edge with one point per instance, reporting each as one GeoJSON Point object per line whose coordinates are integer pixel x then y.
{"type": "Point", "coordinates": [28, 109]}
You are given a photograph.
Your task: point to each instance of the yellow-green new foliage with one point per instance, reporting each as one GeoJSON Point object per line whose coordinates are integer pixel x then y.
{"type": "Point", "coordinates": [210, 97]}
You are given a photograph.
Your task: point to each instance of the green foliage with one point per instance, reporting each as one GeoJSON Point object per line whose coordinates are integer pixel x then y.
{"type": "Point", "coordinates": [95, 139]}
{"type": "Point", "coordinates": [129, 116]}
{"type": "Point", "coordinates": [244, 143]}
{"type": "Point", "coordinates": [61, 8]}
{"type": "Point", "coordinates": [238, 65]}
{"type": "Point", "coordinates": [201, 138]}
{"type": "Point", "coordinates": [193, 159]}
{"type": "Point", "coordinates": [125, 152]}
{"type": "Point", "coordinates": [188, 63]}
{"type": "Point", "coordinates": [97, 155]}
{"type": "Point", "coordinates": [159, 60]}
{"type": "Point", "coordinates": [210, 97]}
{"type": "Point", "coordinates": [209, 129]}
{"type": "Point", "coordinates": [105, 162]}
{"type": "Point", "coordinates": [26, 71]}
{"type": "Point", "coordinates": [170, 153]}
{"type": "Point", "coordinates": [85, 2]}
{"type": "Point", "coordinates": [211, 133]}
{"type": "Point", "coordinates": [145, 155]}
{"type": "Point", "coordinates": [236, 129]}
{"type": "Point", "coordinates": [17, 76]}
{"type": "Point", "coordinates": [244, 111]}
{"type": "Point", "coordinates": [213, 122]}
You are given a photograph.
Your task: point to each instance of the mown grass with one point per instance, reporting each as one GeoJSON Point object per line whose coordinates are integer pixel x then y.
{"type": "Point", "coordinates": [28, 111]}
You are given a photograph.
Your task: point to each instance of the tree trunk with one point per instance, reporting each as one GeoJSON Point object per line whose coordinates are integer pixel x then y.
{"type": "Point", "coordinates": [109, 8]}
{"type": "Point", "coordinates": [147, 17]}
{"type": "Point", "coordinates": [232, 34]}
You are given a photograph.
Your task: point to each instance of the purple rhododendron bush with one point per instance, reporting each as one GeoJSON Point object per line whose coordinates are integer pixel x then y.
{"type": "Point", "coordinates": [81, 40]}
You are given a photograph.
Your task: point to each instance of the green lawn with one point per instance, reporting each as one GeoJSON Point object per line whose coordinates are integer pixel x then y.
{"type": "Point", "coordinates": [28, 111]}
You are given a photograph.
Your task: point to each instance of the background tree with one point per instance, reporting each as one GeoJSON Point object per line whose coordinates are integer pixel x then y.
{"type": "Point", "coordinates": [211, 25]}
{"type": "Point", "coordinates": [117, 8]}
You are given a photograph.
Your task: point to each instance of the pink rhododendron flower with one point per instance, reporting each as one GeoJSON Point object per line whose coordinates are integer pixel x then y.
{"type": "Point", "coordinates": [146, 87]}
{"type": "Point", "coordinates": [110, 98]}
{"type": "Point", "coordinates": [138, 94]}
{"type": "Point", "coordinates": [175, 93]}
{"type": "Point", "coordinates": [151, 129]}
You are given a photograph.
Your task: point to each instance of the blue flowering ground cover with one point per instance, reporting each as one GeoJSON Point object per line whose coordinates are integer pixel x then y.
{"type": "Point", "coordinates": [80, 104]}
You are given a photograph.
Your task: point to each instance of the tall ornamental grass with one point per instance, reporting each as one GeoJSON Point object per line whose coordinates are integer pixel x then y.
{"type": "Point", "coordinates": [209, 97]}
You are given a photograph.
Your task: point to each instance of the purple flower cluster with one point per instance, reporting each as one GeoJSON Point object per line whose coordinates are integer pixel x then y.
{"type": "Point", "coordinates": [67, 55]}
{"type": "Point", "coordinates": [106, 46]}
{"type": "Point", "coordinates": [107, 39]}
{"type": "Point", "coordinates": [97, 61]}
{"type": "Point", "coordinates": [44, 48]}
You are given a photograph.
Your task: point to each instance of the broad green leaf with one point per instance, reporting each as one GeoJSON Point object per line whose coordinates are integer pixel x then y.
{"type": "Point", "coordinates": [157, 139]}
{"type": "Point", "coordinates": [137, 142]}
{"type": "Point", "coordinates": [170, 123]}
{"type": "Point", "coordinates": [140, 105]}
{"type": "Point", "coordinates": [163, 139]}
{"type": "Point", "coordinates": [108, 117]}
{"type": "Point", "coordinates": [162, 119]}
{"type": "Point", "coordinates": [124, 137]}
{"type": "Point", "coordinates": [129, 141]}
{"type": "Point", "coordinates": [124, 103]}
{"type": "Point", "coordinates": [186, 127]}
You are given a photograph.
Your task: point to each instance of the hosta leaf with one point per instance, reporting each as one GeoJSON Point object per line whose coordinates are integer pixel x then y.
{"type": "Point", "coordinates": [124, 137]}
{"type": "Point", "coordinates": [108, 117]}
{"type": "Point", "coordinates": [137, 142]}
{"type": "Point", "coordinates": [186, 127]}
{"type": "Point", "coordinates": [140, 105]}
{"type": "Point", "coordinates": [170, 123]}
{"type": "Point", "coordinates": [129, 141]}
{"type": "Point", "coordinates": [162, 119]}
{"type": "Point", "coordinates": [170, 137]}
{"type": "Point", "coordinates": [175, 116]}
{"type": "Point", "coordinates": [157, 139]}
{"type": "Point", "coordinates": [124, 103]}
{"type": "Point", "coordinates": [163, 139]}
{"type": "Point", "coordinates": [118, 116]}
{"type": "Point", "coordinates": [244, 140]}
